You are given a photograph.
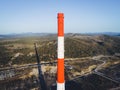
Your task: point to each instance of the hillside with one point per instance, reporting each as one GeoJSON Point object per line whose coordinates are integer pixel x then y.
{"type": "Point", "coordinates": [86, 45]}
{"type": "Point", "coordinates": [20, 50]}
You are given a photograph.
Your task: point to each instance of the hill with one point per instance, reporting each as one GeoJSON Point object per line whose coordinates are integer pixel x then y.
{"type": "Point", "coordinates": [20, 50]}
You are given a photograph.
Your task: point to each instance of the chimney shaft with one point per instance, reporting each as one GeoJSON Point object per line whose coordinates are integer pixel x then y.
{"type": "Point", "coordinates": [60, 54]}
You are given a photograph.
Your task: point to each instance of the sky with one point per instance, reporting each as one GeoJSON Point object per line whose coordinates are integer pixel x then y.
{"type": "Point", "coordinates": [40, 16]}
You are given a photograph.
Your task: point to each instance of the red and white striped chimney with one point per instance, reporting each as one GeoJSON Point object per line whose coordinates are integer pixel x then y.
{"type": "Point", "coordinates": [60, 63]}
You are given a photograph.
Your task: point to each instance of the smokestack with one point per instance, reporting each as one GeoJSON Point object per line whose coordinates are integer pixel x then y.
{"type": "Point", "coordinates": [60, 54]}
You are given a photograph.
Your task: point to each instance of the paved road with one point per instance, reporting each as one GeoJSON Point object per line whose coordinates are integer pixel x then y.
{"type": "Point", "coordinates": [102, 74]}
{"type": "Point", "coordinates": [95, 71]}
{"type": "Point", "coordinates": [35, 65]}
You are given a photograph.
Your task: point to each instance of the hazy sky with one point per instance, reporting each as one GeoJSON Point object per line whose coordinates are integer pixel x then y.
{"type": "Point", "coordinates": [81, 16]}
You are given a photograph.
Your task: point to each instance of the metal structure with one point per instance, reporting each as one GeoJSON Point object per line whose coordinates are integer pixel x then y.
{"type": "Point", "coordinates": [42, 83]}
{"type": "Point", "coordinates": [60, 54]}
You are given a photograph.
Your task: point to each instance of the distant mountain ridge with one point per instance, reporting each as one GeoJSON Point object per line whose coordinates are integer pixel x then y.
{"type": "Point", "coordinates": [29, 34]}
{"type": "Point", "coordinates": [105, 33]}
{"type": "Point", "coordinates": [24, 35]}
